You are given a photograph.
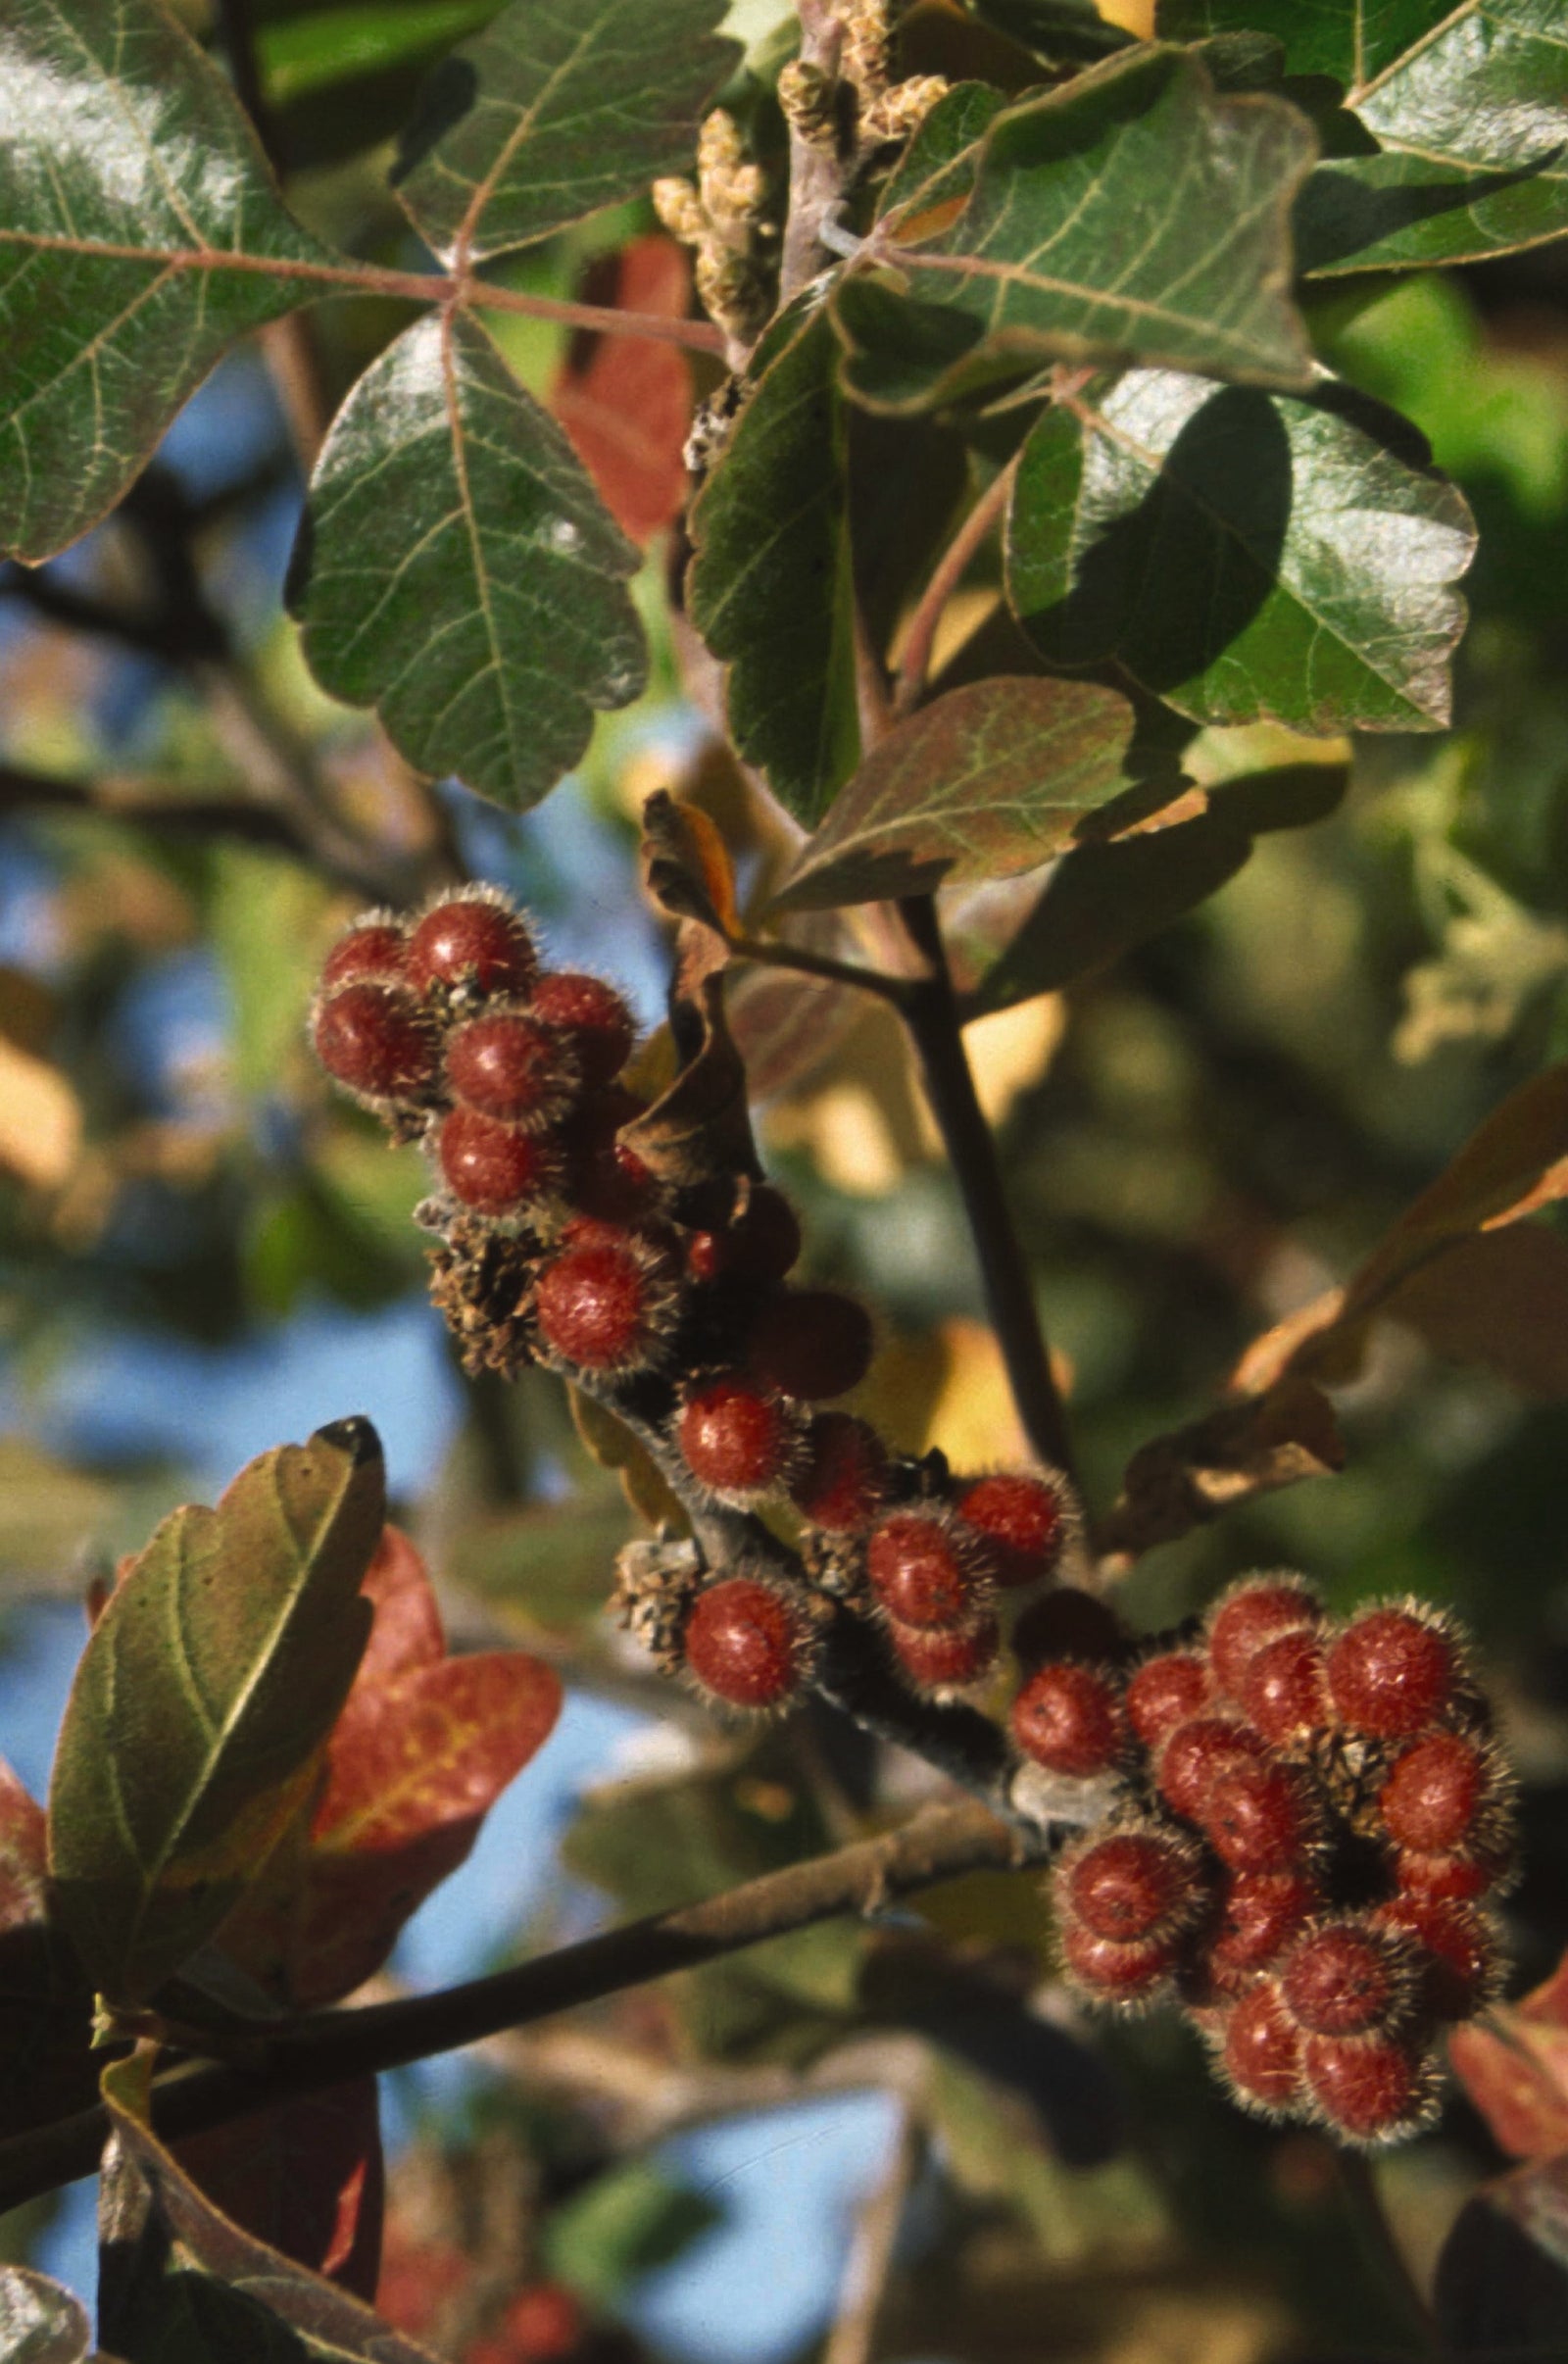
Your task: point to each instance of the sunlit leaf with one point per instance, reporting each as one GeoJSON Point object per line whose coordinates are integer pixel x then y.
{"type": "Point", "coordinates": [202, 1701]}
{"type": "Point", "coordinates": [41, 2322]}
{"type": "Point", "coordinates": [457, 572]}
{"type": "Point", "coordinates": [1129, 215]}
{"type": "Point", "coordinates": [770, 588]}
{"type": "Point", "coordinates": [1243, 555]}
{"type": "Point", "coordinates": [558, 108]}
{"type": "Point", "coordinates": [983, 782]}
{"type": "Point", "coordinates": [140, 233]}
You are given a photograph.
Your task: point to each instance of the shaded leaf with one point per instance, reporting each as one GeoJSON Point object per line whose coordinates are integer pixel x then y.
{"type": "Point", "coordinates": [550, 1564]}
{"type": "Point", "coordinates": [423, 1747]}
{"type": "Point", "coordinates": [1469, 106]}
{"type": "Point", "coordinates": [1064, 31]}
{"type": "Point", "coordinates": [140, 233]}
{"type": "Point", "coordinates": [307, 2177]}
{"type": "Point", "coordinates": [558, 108]}
{"type": "Point", "coordinates": [41, 2322]}
{"type": "Point", "coordinates": [1129, 215]}
{"type": "Point", "coordinates": [625, 2223]}
{"type": "Point", "coordinates": [770, 588]}
{"type": "Point", "coordinates": [936, 174]}
{"type": "Point", "coordinates": [627, 406]}
{"type": "Point", "coordinates": [1499, 1298]}
{"type": "Point", "coordinates": [1243, 555]}
{"type": "Point", "coordinates": [1502, 2284]}
{"type": "Point", "coordinates": [983, 783]}
{"type": "Point", "coordinates": [457, 570]}
{"type": "Point", "coordinates": [1101, 900]}
{"type": "Point", "coordinates": [178, 2280]}
{"type": "Point", "coordinates": [45, 2003]}
{"type": "Point", "coordinates": [202, 1701]}
{"type": "Point", "coordinates": [1249, 1446]}
{"type": "Point", "coordinates": [685, 865]}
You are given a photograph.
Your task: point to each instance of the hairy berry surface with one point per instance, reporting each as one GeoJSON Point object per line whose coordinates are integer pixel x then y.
{"type": "Point", "coordinates": [1129, 1884]}
{"type": "Point", "coordinates": [492, 1167]}
{"type": "Point", "coordinates": [1166, 1692]}
{"type": "Point", "coordinates": [593, 1018]}
{"type": "Point", "coordinates": [1023, 1521]}
{"type": "Point", "coordinates": [508, 1066]}
{"type": "Point", "coordinates": [606, 1304]}
{"type": "Point", "coordinates": [1391, 1673]}
{"type": "Point", "coordinates": [810, 1343]}
{"type": "Point", "coordinates": [737, 1437]}
{"type": "Point", "coordinates": [1249, 1614]}
{"type": "Point", "coordinates": [1262, 2050]}
{"type": "Point", "coordinates": [1068, 1717]}
{"type": "Point", "coordinates": [843, 1479]}
{"type": "Point", "coordinates": [373, 1038]}
{"type": "Point", "coordinates": [471, 940]}
{"type": "Point", "coordinates": [1430, 1798]}
{"type": "Point", "coordinates": [921, 1572]}
{"type": "Point", "coordinates": [938, 1661]}
{"type": "Point", "coordinates": [745, 1642]}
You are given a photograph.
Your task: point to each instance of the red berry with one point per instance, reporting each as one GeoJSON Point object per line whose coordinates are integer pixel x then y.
{"type": "Point", "coordinates": [761, 1243]}
{"type": "Point", "coordinates": [1068, 1718]}
{"type": "Point", "coordinates": [843, 1481]}
{"type": "Point", "coordinates": [607, 1304]}
{"type": "Point", "coordinates": [922, 1571]}
{"type": "Point", "coordinates": [1457, 1950]}
{"type": "Point", "coordinates": [593, 1018]}
{"type": "Point", "coordinates": [492, 1167]}
{"type": "Point", "coordinates": [1391, 1673]}
{"type": "Point", "coordinates": [1024, 1522]}
{"type": "Point", "coordinates": [1110, 1971]}
{"type": "Point", "coordinates": [1166, 1692]}
{"type": "Point", "coordinates": [1251, 1613]}
{"type": "Point", "coordinates": [542, 2324]}
{"type": "Point", "coordinates": [375, 1039]}
{"type": "Point", "coordinates": [471, 939]}
{"type": "Point", "coordinates": [1130, 1883]}
{"type": "Point", "coordinates": [1197, 1753]}
{"type": "Point", "coordinates": [1262, 1912]}
{"type": "Point", "coordinates": [935, 1660]}
{"type": "Point", "coordinates": [1283, 1689]}
{"type": "Point", "coordinates": [810, 1343]}
{"type": "Point", "coordinates": [1262, 2050]}
{"type": "Point", "coordinates": [508, 1066]}
{"type": "Point", "coordinates": [1450, 1879]}
{"type": "Point", "coordinates": [1257, 1818]}
{"type": "Point", "coordinates": [736, 1438]}
{"type": "Point", "coordinates": [1344, 1977]}
{"type": "Point", "coordinates": [1066, 1623]}
{"type": "Point", "coordinates": [376, 948]}
{"type": "Point", "coordinates": [1431, 1797]}
{"type": "Point", "coordinates": [746, 1643]}
{"type": "Point", "coordinates": [1369, 2088]}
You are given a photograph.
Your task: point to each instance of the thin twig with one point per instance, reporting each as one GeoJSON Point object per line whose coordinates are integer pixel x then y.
{"type": "Point", "coordinates": [769, 954]}
{"type": "Point", "coordinates": [852, 2338]}
{"type": "Point", "coordinates": [816, 167]}
{"type": "Point", "coordinates": [951, 568]}
{"type": "Point", "coordinates": [329, 2048]}
{"type": "Point", "coordinates": [930, 1011]}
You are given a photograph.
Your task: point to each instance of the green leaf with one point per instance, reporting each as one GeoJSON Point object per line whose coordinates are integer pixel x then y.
{"type": "Point", "coordinates": [304, 55]}
{"type": "Point", "coordinates": [202, 1701]}
{"type": "Point", "coordinates": [1130, 214]}
{"type": "Point", "coordinates": [457, 572]}
{"type": "Point", "coordinates": [558, 108]}
{"type": "Point", "coordinates": [770, 588]}
{"type": "Point", "coordinates": [1243, 554]}
{"type": "Point", "coordinates": [1061, 32]}
{"type": "Point", "coordinates": [40, 2323]}
{"type": "Point", "coordinates": [983, 782]}
{"type": "Point", "coordinates": [1101, 900]}
{"type": "Point", "coordinates": [140, 233]}
{"type": "Point", "coordinates": [1469, 106]}
{"type": "Point", "coordinates": [938, 167]}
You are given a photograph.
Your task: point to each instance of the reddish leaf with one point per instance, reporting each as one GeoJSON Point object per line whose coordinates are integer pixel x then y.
{"type": "Point", "coordinates": [407, 1632]}
{"type": "Point", "coordinates": [627, 406]}
{"type": "Point", "coordinates": [1514, 2066]}
{"type": "Point", "coordinates": [46, 2006]}
{"type": "Point", "coordinates": [307, 2177]}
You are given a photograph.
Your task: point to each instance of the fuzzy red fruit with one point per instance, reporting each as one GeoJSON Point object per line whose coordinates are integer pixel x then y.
{"type": "Point", "coordinates": [1257, 1818]}
{"type": "Point", "coordinates": [1068, 1718]}
{"type": "Point", "coordinates": [843, 1479]}
{"type": "Point", "coordinates": [1260, 1914]}
{"type": "Point", "coordinates": [376, 948]}
{"type": "Point", "coordinates": [607, 1304]}
{"type": "Point", "coordinates": [374, 1038]}
{"type": "Point", "coordinates": [471, 940]}
{"type": "Point", "coordinates": [946, 1661]}
{"type": "Point", "coordinates": [1066, 1623]}
{"type": "Point", "coordinates": [492, 1167]}
{"type": "Point", "coordinates": [1283, 1689]}
{"type": "Point", "coordinates": [1346, 1978]}
{"type": "Point", "coordinates": [1112, 1972]}
{"type": "Point", "coordinates": [1166, 1692]}
{"type": "Point", "coordinates": [1369, 2088]}
{"type": "Point", "coordinates": [508, 1066]}
{"type": "Point", "coordinates": [761, 1244]}
{"type": "Point", "coordinates": [745, 1642]}
{"type": "Point", "coordinates": [1196, 1754]}
{"type": "Point", "coordinates": [1251, 1613]}
{"type": "Point", "coordinates": [922, 1573]}
{"type": "Point", "coordinates": [1023, 1521]}
{"type": "Point", "coordinates": [1459, 1952]}
{"type": "Point", "coordinates": [736, 1438]}
{"type": "Point", "coordinates": [810, 1343]}
{"type": "Point", "coordinates": [1262, 2050]}
{"type": "Point", "coordinates": [1431, 1797]}
{"type": "Point", "coordinates": [592, 1016]}
{"type": "Point", "coordinates": [1129, 1885]}
{"type": "Point", "coordinates": [1391, 1673]}
{"type": "Point", "coordinates": [1449, 1879]}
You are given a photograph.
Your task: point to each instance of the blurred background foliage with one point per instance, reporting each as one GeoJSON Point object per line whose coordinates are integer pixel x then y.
{"type": "Point", "coordinates": [203, 1250]}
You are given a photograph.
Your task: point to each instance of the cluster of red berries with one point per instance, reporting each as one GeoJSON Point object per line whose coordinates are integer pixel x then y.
{"type": "Point", "coordinates": [1308, 1820]}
